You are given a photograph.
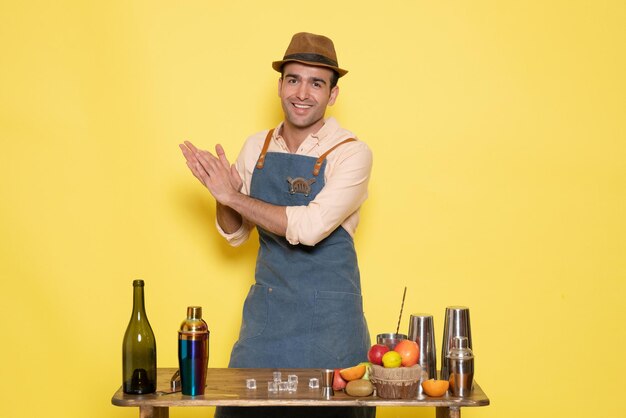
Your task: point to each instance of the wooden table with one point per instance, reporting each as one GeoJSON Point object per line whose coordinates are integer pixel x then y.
{"type": "Point", "coordinates": [227, 387]}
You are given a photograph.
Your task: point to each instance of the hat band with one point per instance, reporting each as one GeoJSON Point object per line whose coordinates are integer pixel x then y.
{"type": "Point", "coordinates": [311, 58]}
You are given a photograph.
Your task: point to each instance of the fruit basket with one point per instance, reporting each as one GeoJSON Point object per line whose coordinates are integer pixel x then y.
{"type": "Point", "coordinates": [396, 383]}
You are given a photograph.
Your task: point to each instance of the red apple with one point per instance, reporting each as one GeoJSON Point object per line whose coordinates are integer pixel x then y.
{"type": "Point", "coordinates": [338, 382]}
{"type": "Point", "coordinates": [376, 353]}
{"type": "Point", "coordinates": [409, 351]}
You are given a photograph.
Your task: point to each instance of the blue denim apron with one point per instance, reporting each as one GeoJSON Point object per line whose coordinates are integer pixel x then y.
{"type": "Point", "coordinates": [305, 309]}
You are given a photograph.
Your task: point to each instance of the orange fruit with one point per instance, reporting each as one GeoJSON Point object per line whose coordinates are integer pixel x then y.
{"type": "Point", "coordinates": [409, 351]}
{"type": "Point", "coordinates": [352, 373]}
{"type": "Point", "coordinates": [368, 370]}
{"type": "Point", "coordinates": [435, 388]}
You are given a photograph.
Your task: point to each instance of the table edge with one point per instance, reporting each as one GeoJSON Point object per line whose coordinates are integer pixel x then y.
{"type": "Point", "coordinates": [213, 399]}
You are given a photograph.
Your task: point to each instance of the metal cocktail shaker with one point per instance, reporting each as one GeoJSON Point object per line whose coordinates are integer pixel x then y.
{"type": "Point", "coordinates": [456, 324]}
{"type": "Point", "coordinates": [421, 330]}
{"type": "Point", "coordinates": [193, 352]}
{"type": "Point", "coordinates": [461, 366]}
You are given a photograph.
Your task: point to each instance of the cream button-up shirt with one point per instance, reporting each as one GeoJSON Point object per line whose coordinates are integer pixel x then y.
{"type": "Point", "coordinates": [346, 177]}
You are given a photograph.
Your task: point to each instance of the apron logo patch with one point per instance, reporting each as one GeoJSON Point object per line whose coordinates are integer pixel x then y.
{"type": "Point", "coordinates": [300, 185]}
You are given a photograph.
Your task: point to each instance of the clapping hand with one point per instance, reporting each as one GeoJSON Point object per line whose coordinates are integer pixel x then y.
{"type": "Point", "coordinates": [213, 171]}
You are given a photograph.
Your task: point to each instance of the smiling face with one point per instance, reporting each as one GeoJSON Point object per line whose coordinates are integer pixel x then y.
{"type": "Point", "coordinates": [305, 92]}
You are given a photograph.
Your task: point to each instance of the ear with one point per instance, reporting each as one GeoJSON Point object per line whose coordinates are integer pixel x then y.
{"type": "Point", "coordinates": [280, 84]}
{"type": "Point", "coordinates": [333, 95]}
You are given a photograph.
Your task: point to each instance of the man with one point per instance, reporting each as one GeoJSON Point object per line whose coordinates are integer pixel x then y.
{"type": "Point", "coordinates": [301, 185]}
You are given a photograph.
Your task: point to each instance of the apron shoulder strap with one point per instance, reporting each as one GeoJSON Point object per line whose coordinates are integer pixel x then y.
{"type": "Point", "coordinates": [261, 161]}
{"type": "Point", "coordinates": [318, 164]}
{"type": "Point", "coordinates": [320, 160]}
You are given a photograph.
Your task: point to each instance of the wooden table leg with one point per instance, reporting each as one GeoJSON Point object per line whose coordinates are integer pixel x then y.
{"type": "Point", "coordinates": [448, 412]}
{"type": "Point", "coordinates": [154, 412]}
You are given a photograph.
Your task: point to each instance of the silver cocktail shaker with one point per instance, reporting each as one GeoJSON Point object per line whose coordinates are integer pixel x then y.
{"type": "Point", "coordinates": [422, 331]}
{"type": "Point", "coordinates": [461, 367]}
{"type": "Point", "coordinates": [456, 324]}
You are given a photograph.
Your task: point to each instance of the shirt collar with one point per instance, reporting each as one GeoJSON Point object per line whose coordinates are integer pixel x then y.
{"type": "Point", "coordinates": [327, 130]}
{"type": "Point", "coordinates": [330, 127]}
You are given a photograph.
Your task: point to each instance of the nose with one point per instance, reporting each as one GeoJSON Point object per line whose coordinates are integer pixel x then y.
{"type": "Point", "coordinates": [303, 91]}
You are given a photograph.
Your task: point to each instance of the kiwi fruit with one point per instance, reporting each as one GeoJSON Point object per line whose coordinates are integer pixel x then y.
{"type": "Point", "coordinates": [359, 387]}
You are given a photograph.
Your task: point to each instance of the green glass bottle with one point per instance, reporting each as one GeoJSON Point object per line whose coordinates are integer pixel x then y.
{"type": "Point", "coordinates": [139, 349]}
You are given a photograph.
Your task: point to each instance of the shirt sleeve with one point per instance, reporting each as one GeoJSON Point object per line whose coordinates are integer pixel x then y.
{"type": "Point", "coordinates": [238, 237]}
{"type": "Point", "coordinates": [347, 174]}
{"type": "Point", "coordinates": [245, 166]}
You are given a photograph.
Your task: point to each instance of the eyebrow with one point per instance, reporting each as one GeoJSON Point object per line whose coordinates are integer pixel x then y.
{"type": "Point", "coordinates": [319, 80]}
{"type": "Point", "coordinates": [298, 77]}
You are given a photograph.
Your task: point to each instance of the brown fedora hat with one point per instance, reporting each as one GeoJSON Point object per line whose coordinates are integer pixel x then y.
{"type": "Point", "coordinates": [311, 49]}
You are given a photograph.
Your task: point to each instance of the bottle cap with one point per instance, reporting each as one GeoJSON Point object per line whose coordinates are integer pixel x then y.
{"type": "Point", "coordinates": [138, 283]}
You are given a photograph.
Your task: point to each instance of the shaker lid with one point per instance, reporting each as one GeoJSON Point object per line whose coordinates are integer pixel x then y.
{"type": "Point", "coordinates": [194, 323]}
{"type": "Point", "coordinates": [460, 349]}
{"type": "Point", "coordinates": [194, 312]}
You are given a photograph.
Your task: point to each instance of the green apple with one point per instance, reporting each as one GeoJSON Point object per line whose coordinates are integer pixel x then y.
{"type": "Point", "coordinates": [368, 369]}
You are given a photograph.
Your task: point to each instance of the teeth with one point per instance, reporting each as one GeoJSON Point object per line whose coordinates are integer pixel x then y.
{"type": "Point", "coordinates": [301, 106]}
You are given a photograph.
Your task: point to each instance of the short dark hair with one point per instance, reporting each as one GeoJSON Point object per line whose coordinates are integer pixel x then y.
{"type": "Point", "coordinates": [334, 79]}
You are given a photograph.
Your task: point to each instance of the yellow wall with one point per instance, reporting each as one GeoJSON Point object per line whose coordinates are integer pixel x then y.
{"type": "Point", "coordinates": [498, 130]}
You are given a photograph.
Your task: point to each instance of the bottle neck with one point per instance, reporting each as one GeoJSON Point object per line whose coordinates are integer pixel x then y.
{"type": "Point", "coordinates": [139, 310]}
